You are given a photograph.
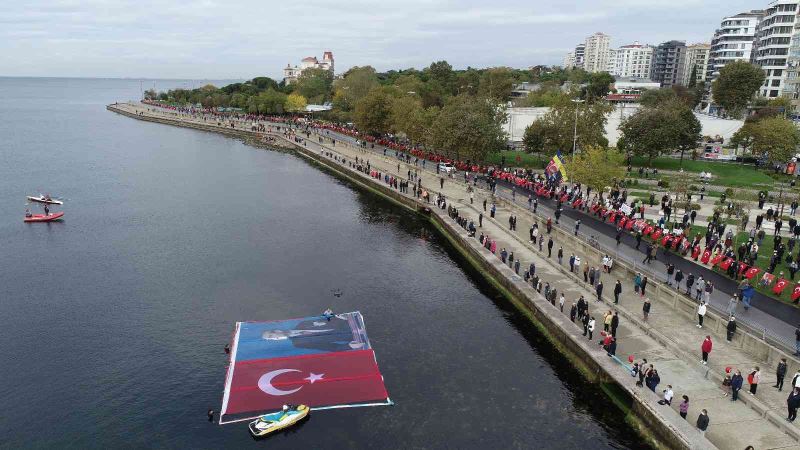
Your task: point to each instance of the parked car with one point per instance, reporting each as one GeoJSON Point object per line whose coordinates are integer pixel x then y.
{"type": "Point", "coordinates": [446, 168]}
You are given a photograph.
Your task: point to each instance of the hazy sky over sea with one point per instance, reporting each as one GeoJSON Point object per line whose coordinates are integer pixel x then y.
{"type": "Point", "coordinates": [247, 38]}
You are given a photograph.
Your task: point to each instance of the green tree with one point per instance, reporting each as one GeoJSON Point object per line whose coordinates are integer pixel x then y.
{"type": "Point", "coordinates": [775, 138]}
{"type": "Point", "coordinates": [315, 85]}
{"type": "Point", "coordinates": [735, 86]}
{"type": "Point", "coordinates": [270, 102]}
{"type": "Point", "coordinates": [467, 128]}
{"type": "Point", "coordinates": [597, 87]}
{"type": "Point", "coordinates": [442, 73]}
{"type": "Point", "coordinates": [354, 85]}
{"type": "Point", "coordinates": [295, 102]}
{"type": "Point", "coordinates": [407, 116]}
{"type": "Point", "coordinates": [556, 129]}
{"type": "Point", "coordinates": [596, 167]}
{"type": "Point", "coordinates": [548, 94]}
{"type": "Point", "coordinates": [497, 83]}
{"type": "Point", "coordinates": [468, 81]}
{"type": "Point", "coordinates": [693, 77]}
{"type": "Point", "coordinates": [372, 113]}
{"type": "Point", "coordinates": [652, 131]}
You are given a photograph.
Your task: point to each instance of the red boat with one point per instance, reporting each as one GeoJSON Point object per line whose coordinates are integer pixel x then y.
{"type": "Point", "coordinates": [44, 218]}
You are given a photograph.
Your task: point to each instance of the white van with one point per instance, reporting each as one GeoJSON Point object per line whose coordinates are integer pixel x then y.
{"type": "Point", "coordinates": [446, 168]}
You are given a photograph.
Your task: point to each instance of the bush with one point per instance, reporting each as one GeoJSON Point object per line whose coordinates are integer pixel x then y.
{"type": "Point", "coordinates": [663, 183]}
{"type": "Point", "coordinates": [693, 188]}
{"type": "Point", "coordinates": [728, 192]}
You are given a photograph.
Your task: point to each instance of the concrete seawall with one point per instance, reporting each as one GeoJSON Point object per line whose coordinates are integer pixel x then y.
{"type": "Point", "coordinates": [644, 411]}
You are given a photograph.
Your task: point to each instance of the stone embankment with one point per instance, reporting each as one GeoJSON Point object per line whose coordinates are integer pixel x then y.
{"type": "Point", "coordinates": [669, 339]}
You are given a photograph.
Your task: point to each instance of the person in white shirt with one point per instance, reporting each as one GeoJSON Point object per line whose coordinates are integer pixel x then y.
{"type": "Point", "coordinates": [701, 312]}
{"type": "Point", "coordinates": [668, 394]}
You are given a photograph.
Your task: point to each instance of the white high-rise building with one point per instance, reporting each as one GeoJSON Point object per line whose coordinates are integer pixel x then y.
{"type": "Point", "coordinates": [772, 42]}
{"type": "Point", "coordinates": [596, 53]}
{"type": "Point", "coordinates": [611, 67]}
{"type": "Point", "coordinates": [733, 41]}
{"type": "Point", "coordinates": [569, 60]}
{"type": "Point", "coordinates": [632, 60]}
{"type": "Point", "coordinates": [695, 60]}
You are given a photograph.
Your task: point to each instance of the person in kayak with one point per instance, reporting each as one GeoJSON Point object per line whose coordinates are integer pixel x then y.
{"type": "Point", "coordinates": [28, 213]}
{"type": "Point", "coordinates": [46, 210]}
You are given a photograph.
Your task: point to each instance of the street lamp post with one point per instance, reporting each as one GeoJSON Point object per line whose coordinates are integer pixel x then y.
{"type": "Point", "coordinates": [575, 132]}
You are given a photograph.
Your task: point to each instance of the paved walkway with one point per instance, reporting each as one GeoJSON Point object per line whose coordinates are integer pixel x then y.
{"type": "Point", "coordinates": [669, 340]}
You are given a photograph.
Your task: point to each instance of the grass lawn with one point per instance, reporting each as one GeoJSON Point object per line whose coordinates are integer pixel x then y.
{"type": "Point", "coordinates": [517, 158]}
{"type": "Point", "coordinates": [764, 254]}
{"type": "Point", "coordinates": [724, 174]}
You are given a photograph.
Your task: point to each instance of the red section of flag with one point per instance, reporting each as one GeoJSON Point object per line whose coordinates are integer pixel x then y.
{"type": "Point", "coordinates": [716, 259]}
{"type": "Point", "coordinates": [695, 252]}
{"type": "Point", "coordinates": [647, 230]}
{"type": "Point", "coordinates": [751, 272]}
{"type": "Point", "coordinates": [314, 380]}
{"type": "Point", "coordinates": [743, 268]}
{"type": "Point", "coordinates": [629, 225]}
{"type": "Point", "coordinates": [665, 241]}
{"type": "Point", "coordinates": [656, 234]}
{"type": "Point", "coordinates": [780, 286]}
{"type": "Point", "coordinates": [796, 292]}
{"type": "Point", "coordinates": [706, 256]}
{"type": "Point", "coordinates": [622, 221]}
{"type": "Point", "coordinates": [726, 263]}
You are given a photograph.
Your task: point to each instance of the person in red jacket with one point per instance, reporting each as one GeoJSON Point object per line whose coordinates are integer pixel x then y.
{"type": "Point", "coordinates": [706, 349]}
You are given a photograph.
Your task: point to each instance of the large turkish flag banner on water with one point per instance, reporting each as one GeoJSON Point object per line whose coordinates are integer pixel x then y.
{"type": "Point", "coordinates": [315, 380]}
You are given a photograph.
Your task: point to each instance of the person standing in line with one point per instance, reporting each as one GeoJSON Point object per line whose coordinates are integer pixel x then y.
{"type": "Point", "coordinates": [689, 283]}
{"type": "Point", "coordinates": [550, 247]}
{"type": "Point", "coordinates": [643, 286]}
{"type": "Point", "coordinates": [607, 321]}
{"type": "Point", "coordinates": [577, 264]}
{"type": "Point", "coordinates": [617, 291]}
{"type": "Point", "coordinates": [614, 324]}
{"type": "Point", "coordinates": [599, 290]}
{"type": "Point", "coordinates": [701, 312]}
{"type": "Point", "coordinates": [780, 373]}
{"type": "Point", "coordinates": [585, 321]}
{"type": "Point", "coordinates": [792, 403]}
{"type": "Point", "coordinates": [637, 282]}
{"type": "Point", "coordinates": [670, 273]}
{"type": "Point", "coordinates": [586, 273]}
{"type": "Point", "coordinates": [573, 312]}
{"type": "Point", "coordinates": [699, 288]}
{"type": "Point", "coordinates": [560, 255]}
{"type": "Point", "coordinates": [480, 220]}
{"type": "Point", "coordinates": [678, 279]}
{"type": "Point", "coordinates": [732, 303]}
{"type": "Point", "coordinates": [702, 421]}
{"type": "Point", "coordinates": [737, 381]}
{"type": "Point", "coordinates": [731, 328]}
{"type": "Point", "coordinates": [577, 226]}
{"type": "Point", "coordinates": [683, 408]}
{"type": "Point", "coordinates": [797, 340]}
{"type": "Point", "coordinates": [668, 394]}
{"type": "Point", "coordinates": [561, 302]}
{"type": "Point", "coordinates": [646, 309]}
{"type": "Point", "coordinates": [753, 379]}
{"type": "Point", "coordinates": [590, 327]}
{"type": "Point", "coordinates": [705, 347]}
{"type": "Point", "coordinates": [484, 205]}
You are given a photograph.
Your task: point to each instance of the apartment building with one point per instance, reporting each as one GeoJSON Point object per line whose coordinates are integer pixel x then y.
{"type": "Point", "coordinates": [695, 61]}
{"type": "Point", "coordinates": [771, 46]}
{"type": "Point", "coordinates": [668, 62]}
{"type": "Point", "coordinates": [733, 41]}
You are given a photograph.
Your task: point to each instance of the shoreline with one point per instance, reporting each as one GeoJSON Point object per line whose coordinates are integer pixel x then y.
{"type": "Point", "coordinates": [639, 405]}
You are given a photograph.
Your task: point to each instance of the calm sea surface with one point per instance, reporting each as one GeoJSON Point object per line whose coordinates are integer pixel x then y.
{"type": "Point", "coordinates": [113, 322]}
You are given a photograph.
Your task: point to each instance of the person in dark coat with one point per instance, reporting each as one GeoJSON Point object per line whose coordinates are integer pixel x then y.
{"type": "Point", "coordinates": [737, 381]}
{"type": "Point", "coordinates": [614, 324]}
{"type": "Point", "coordinates": [612, 347]}
{"type": "Point", "coordinates": [702, 421]}
{"type": "Point", "coordinates": [599, 290]}
{"type": "Point", "coordinates": [617, 291]}
{"type": "Point", "coordinates": [780, 373]}
{"type": "Point", "coordinates": [731, 328]}
{"type": "Point", "coordinates": [573, 312]}
{"type": "Point", "coordinates": [792, 403]}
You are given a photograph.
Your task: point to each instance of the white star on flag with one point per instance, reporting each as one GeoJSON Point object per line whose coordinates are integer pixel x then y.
{"type": "Point", "coordinates": [314, 377]}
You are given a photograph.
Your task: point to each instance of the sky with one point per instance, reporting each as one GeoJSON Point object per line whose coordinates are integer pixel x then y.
{"type": "Point", "coordinates": [242, 39]}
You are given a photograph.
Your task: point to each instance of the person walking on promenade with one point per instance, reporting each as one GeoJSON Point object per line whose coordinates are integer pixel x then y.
{"type": "Point", "coordinates": [792, 403]}
{"type": "Point", "coordinates": [705, 347]}
{"type": "Point", "coordinates": [586, 273]}
{"type": "Point", "coordinates": [733, 302]}
{"type": "Point", "coordinates": [647, 256]}
{"type": "Point", "coordinates": [638, 240]}
{"type": "Point", "coordinates": [689, 283]}
{"type": "Point", "coordinates": [708, 291]}
{"type": "Point", "coordinates": [561, 303]}
{"type": "Point", "coordinates": [753, 379]}
{"type": "Point", "coordinates": [637, 282]}
{"type": "Point", "coordinates": [643, 286]}
{"type": "Point", "coordinates": [590, 327]}
{"type": "Point", "coordinates": [699, 287]}
{"type": "Point", "coordinates": [780, 373]}
{"type": "Point", "coordinates": [585, 322]}
{"type": "Point", "coordinates": [599, 290]}
{"type": "Point", "coordinates": [550, 244]}
{"type": "Point", "coordinates": [683, 408]}
{"type": "Point", "coordinates": [617, 291]}
{"type": "Point", "coordinates": [572, 264]}
{"type": "Point", "coordinates": [577, 226]}
{"type": "Point", "coordinates": [480, 220]}
{"type": "Point", "coordinates": [737, 381]}
{"type": "Point", "coordinates": [573, 312]}
{"type": "Point", "coordinates": [731, 328]}
{"type": "Point", "coordinates": [577, 264]}
{"type": "Point", "coordinates": [702, 421]}
{"type": "Point", "coordinates": [614, 324]}
{"type": "Point", "coordinates": [678, 279]}
{"type": "Point", "coordinates": [701, 312]}
{"type": "Point", "coordinates": [484, 205]}
{"type": "Point", "coordinates": [560, 254]}
{"type": "Point", "coordinates": [646, 309]}
{"type": "Point", "coordinates": [670, 273]}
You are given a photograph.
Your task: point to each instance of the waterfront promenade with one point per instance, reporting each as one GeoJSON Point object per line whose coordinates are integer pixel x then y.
{"type": "Point", "coordinates": [669, 340]}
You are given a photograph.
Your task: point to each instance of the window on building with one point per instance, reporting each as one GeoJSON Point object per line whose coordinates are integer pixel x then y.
{"type": "Point", "coordinates": [776, 83]}
{"type": "Point", "coordinates": [773, 93]}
